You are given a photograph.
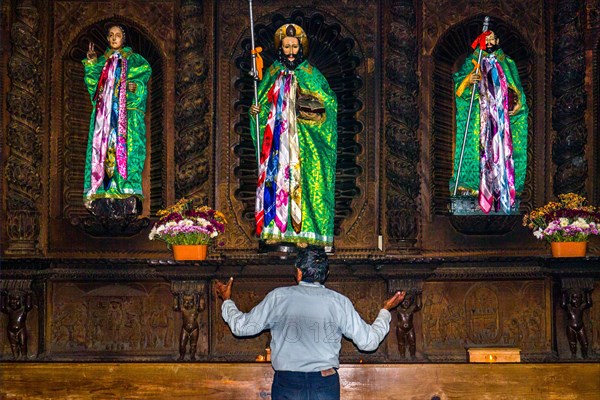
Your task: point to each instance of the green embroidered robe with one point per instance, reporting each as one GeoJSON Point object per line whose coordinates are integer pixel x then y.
{"type": "Point", "coordinates": [318, 156]}
{"type": "Point", "coordinates": [138, 71]}
{"type": "Point", "coordinates": [470, 171]}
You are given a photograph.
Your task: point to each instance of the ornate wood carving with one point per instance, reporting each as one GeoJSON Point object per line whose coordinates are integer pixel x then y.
{"type": "Point", "coordinates": [593, 13]}
{"type": "Point", "coordinates": [17, 301]}
{"type": "Point", "coordinates": [440, 15]}
{"type": "Point", "coordinates": [150, 33]}
{"type": "Point", "coordinates": [367, 300]}
{"type": "Point", "coordinates": [485, 314]}
{"type": "Point", "coordinates": [192, 108]}
{"type": "Point", "coordinates": [224, 345]}
{"type": "Point", "coordinates": [594, 319]}
{"type": "Point", "coordinates": [342, 57]}
{"type": "Point", "coordinates": [450, 51]}
{"type": "Point", "coordinates": [104, 320]}
{"type": "Point", "coordinates": [407, 325]}
{"type": "Point", "coordinates": [123, 309]}
{"type": "Point", "coordinates": [24, 161]}
{"type": "Point", "coordinates": [568, 89]}
{"type": "Point", "coordinates": [402, 186]}
{"type": "Point", "coordinates": [189, 298]}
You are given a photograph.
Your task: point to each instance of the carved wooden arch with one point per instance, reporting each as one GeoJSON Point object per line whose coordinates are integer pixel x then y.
{"type": "Point", "coordinates": [76, 110]}
{"type": "Point", "coordinates": [335, 52]}
{"type": "Point", "coordinates": [449, 52]}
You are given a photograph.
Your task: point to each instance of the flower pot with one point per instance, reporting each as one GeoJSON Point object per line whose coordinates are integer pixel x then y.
{"type": "Point", "coordinates": [188, 252]}
{"type": "Point", "coordinates": [569, 249]}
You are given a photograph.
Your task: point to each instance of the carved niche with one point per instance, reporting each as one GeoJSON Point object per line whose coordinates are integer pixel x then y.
{"type": "Point", "coordinates": [76, 119]}
{"type": "Point", "coordinates": [345, 57]}
{"type": "Point", "coordinates": [150, 32]}
{"type": "Point", "coordinates": [449, 53]}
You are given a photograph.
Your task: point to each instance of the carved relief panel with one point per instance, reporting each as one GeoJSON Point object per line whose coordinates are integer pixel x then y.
{"type": "Point", "coordinates": [343, 47]}
{"type": "Point", "coordinates": [111, 320]}
{"type": "Point", "coordinates": [224, 345]}
{"type": "Point", "coordinates": [460, 315]}
{"type": "Point", "coordinates": [367, 298]}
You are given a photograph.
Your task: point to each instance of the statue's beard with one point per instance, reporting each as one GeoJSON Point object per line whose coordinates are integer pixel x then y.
{"type": "Point", "coordinates": [492, 48]}
{"type": "Point", "coordinates": [291, 64]}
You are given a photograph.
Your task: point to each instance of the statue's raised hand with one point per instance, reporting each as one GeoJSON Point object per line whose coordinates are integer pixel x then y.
{"type": "Point", "coordinates": [91, 54]}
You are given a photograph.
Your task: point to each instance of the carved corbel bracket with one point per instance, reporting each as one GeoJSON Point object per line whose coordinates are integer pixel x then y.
{"type": "Point", "coordinates": [190, 300]}
{"type": "Point", "coordinates": [16, 300]}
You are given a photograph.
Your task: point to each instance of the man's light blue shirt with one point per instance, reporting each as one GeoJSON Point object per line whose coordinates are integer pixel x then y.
{"type": "Point", "coordinates": [307, 322]}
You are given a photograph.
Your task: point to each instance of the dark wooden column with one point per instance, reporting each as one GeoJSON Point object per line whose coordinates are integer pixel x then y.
{"type": "Point", "coordinates": [401, 120]}
{"type": "Point", "coordinates": [568, 112]}
{"type": "Point", "coordinates": [24, 160]}
{"type": "Point", "coordinates": [192, 154]}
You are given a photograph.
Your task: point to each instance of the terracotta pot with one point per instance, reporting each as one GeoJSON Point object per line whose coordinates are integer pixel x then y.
{"type": "Point", "coordinates": [188, 252]}
{"type": "Point", "coordinates": [569, 249]}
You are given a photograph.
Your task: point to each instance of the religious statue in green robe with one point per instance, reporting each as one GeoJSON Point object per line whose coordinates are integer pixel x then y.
{"type": "Point", "coordinates": [116, 150]}
{"type": "Point", "coordinates": [297, 113]}
{"type": "Point", "coordinates": [495, 155]}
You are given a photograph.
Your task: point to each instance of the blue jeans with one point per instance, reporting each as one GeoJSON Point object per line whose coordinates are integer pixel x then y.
{"type": "Point", "coordinates": [289, 385]}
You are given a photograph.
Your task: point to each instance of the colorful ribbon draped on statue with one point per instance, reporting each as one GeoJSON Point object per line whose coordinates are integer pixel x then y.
{"type": "Point", "coordinates": [117, 84]}
{"type": "Point", "coordinates": [111, 86]}
{"type": "Point", "coordinates": [496, 162]}
{"type": "Point", "coordinates": [296, 173]}
{"type": "Point", "coordinates": [279, 153]}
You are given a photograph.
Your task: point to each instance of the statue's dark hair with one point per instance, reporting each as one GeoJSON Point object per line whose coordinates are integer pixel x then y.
{"type": "Point", "coordinates": [313, 263]}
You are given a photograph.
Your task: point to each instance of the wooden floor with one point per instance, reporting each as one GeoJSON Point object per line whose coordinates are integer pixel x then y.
{"type": "Point", "coordinates": [253, 381]}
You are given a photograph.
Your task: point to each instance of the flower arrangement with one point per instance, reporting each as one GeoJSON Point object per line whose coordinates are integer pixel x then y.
{"type": "Point", "coordinates": [184, 224]}
{"type": "Point", "coordinates": [568, 220]}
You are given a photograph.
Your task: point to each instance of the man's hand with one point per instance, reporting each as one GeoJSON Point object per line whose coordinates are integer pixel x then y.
{"type": "Point", "coordinates": [255, 109]}
{"type": "Point", "coordinates": [393, 301]}
{"type": "Point", "coordinates": [224, 290]}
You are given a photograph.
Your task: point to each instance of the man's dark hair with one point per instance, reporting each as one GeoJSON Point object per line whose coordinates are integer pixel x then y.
{"type": "Point", "coordinates": [313, 263]}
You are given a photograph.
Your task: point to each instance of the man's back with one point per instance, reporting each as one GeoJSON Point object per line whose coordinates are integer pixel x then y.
{"type": "Point", "coordinates": [307, 322]}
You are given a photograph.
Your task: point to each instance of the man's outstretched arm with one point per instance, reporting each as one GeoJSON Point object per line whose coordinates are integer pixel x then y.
{"type": "Point", "coordinates": [243, 324]}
